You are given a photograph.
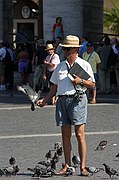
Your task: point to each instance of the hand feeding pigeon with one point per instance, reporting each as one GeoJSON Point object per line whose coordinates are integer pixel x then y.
{"type": "Point", "coordinates": [31, 94]}
{"type": "Point", "coordinates": [101, 145]}
{"type": "Point", "coordinates": [93, 170]}
{"type": "Point", "coordinates": [76, 160]}
{"type": "Point", "coordinates": [111, 172]}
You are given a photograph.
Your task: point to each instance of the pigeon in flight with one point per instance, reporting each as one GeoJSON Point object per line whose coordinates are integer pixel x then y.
{"type": "Point", "coordinates": [101, 145]}
{"type": "Point", "coordinates": [31, 94]}
{"type": "Point", "coordinates": [111, 172]}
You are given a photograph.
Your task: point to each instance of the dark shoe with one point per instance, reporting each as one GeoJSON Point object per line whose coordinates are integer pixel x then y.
{"type": "Point", "coordinates": [84, 172]}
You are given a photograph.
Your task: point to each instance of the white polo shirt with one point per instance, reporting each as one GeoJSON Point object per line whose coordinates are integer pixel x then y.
{"type": "Point", "coordinates": [64, 84]}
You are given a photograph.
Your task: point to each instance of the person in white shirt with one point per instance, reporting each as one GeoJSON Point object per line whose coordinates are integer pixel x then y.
{"type": "Point", "coordinates": [71, 106]}
{"type": "Point", "coordinates": [50, 63]}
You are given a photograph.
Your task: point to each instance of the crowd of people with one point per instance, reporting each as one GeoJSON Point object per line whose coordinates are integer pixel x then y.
{"type": "Point", "coordinates": [103, 59]}
{"type": "Point", "coordinates": [50, 62]}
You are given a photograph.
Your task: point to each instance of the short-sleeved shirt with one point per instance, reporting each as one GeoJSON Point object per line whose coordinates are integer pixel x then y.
{"type": "Point", "coordinates": [61, 79]}
{"type": "Point", "coordinates": [54, 59]}
{"type": "Point", "coordinates": [93, 59]}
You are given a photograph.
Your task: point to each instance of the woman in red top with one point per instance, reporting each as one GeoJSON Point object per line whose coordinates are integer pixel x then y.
{"type": "Point", "coordinates": [58, 29]}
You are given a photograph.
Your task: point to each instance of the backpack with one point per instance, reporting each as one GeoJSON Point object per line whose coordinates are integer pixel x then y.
{"type": "Point", "coordinates": [7, 59]}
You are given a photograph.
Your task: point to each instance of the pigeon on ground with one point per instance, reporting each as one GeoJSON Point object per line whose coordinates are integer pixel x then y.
{"type": "Point", "coordinates": [117, 156]}
{"type": "Point", "coordinates": [11, 170]}
{"type": "Point", "coordinates": [111, 172]}
{"type": "Point", "coordinates": [1, 172]}
{"type": "Point", "coordinates": [70, 171]}
{"type": "Point", "coordinates": [48, 154]}
{"type": "Point", "coordinates": [92, 170]}
{"type": "Point", "coordinates": [45, 163]}
{"type": "Point", "coordinates": [101, 145]}
{"type": "Point", "coordinates": [57, 145]}
{"type": "Point", "coordinates": [59, 151]}
{"type": "Point", "coordinates": [76, 160]}
{"type": "Point", "coordinates": [12, 160]}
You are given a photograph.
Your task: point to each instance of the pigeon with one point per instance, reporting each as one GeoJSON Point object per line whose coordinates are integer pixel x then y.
{"type": "Point", "coordinates": [45, 163]}
{"type": "Point", "coordinates": [93, 170]}
{"type": "Point", "coordinates": [59, 151]}
{"type": "Point", "coordinates": [57, 145]}
{"type": "Point", "coordinates": [117, 156]}
{"type": "Point", "coordinates": [1, 172]}
{"type": "Point", "coordinates": [48, 154]}
{"type": "Point", "coordinates": [70, 171]}
{"type": "Point", "coordinates": [11, 170]}
{"type": "Point", "coordinates": [76, 160]}
{"type": "Point", "coordinates": [56, 157]}
{"type": "Point", "coordinates": [37, 171]}
{"type": "Point", "coordinates": [111, 172]}
{"type": "Point", "coordinates": [31, 94]}
{"type": "Point", "coordinates": [101, 145]}
{"type": "Point", "coordinates": [12, 160]}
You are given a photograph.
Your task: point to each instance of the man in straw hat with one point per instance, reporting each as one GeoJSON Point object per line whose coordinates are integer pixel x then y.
{"type": "Point", "coordinates": [50, 63]}
{"type": "Point", "coordinates": [71, 106]}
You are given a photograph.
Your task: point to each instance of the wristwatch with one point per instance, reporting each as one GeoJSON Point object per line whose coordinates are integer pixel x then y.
{"type": "Point", "coordinates": [81, 83]}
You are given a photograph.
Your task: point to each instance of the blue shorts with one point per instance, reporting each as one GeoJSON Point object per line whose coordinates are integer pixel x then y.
{"type": "Point", "coordinates": [68, 111]}
{"type": "Point", "coordinates": [22, 66]}
{"type": "Point", "coordinates": [96, 78]}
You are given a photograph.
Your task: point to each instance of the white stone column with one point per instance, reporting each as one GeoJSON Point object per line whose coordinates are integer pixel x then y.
{"type": "Point", "coordinates": [1, 19]}
{"type": "Point", "coordinates": [71, 12]}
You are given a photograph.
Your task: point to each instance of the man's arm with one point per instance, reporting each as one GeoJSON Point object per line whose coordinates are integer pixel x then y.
{"type": "Point", "coordinates": [51, 93]}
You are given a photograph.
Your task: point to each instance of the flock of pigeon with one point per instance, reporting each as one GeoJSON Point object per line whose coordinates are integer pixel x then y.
{"type": "Point", "coordinates": [47, 167]}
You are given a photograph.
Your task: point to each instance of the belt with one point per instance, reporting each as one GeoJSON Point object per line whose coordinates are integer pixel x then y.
{"type": "Point", "coordinates": [71, 95]}
{"type": "Point", "coordinates": [68, 96]}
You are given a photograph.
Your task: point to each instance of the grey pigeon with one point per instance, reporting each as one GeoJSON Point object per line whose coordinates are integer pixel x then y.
{"type": "Point", "coordinates": [31, 94]}
{"type": "Point", "coordinates": [59, 151]}
{"type": "Point", "coordinates": [45, 163]}
{"type": "Point", "coordinates": [111, 172]}
{"type": "Point", "coordinates": [12, 160]}
{"type": "Point", "coordinates": [48, 154]}
{"type": "Point", "coordinates": [117, 156]}
{"type": "Point", "coordinates": [101, 145]}
{"type": "Point", "coordinates": [93, 170]}
{"type": "Point", "coordinates": [76, 160]}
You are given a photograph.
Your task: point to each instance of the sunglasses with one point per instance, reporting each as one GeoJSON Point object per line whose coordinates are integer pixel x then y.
{"type": "Point", "coordinates": [66, 48]}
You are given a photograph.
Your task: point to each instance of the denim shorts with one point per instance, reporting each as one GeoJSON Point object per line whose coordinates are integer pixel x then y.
{"type": "Point", "coordinates": [69, 111]}
{"type": "Point", "coordinates": [22, 66]}
{"type": "Point", "coordinates": [96, 79]}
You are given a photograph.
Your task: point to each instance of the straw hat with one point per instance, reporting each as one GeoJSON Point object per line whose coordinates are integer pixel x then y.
{"type": "Point", "coordinates": [49, 46]}
{"type": "Point", "coordinates": [70, 41]}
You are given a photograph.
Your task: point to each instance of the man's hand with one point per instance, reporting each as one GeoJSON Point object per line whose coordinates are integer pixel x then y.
{"type": "Point", "coordinates": [76, 80]}
{"type": "Point", "coordinates": [41, 102]}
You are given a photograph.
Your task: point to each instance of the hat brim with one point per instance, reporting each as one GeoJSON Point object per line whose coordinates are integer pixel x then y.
{"type": "Point", "coordinates": [68, 45]}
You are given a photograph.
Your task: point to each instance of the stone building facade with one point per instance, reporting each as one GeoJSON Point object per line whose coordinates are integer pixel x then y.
{"type": "Point", "coordinates": [79, 17]}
